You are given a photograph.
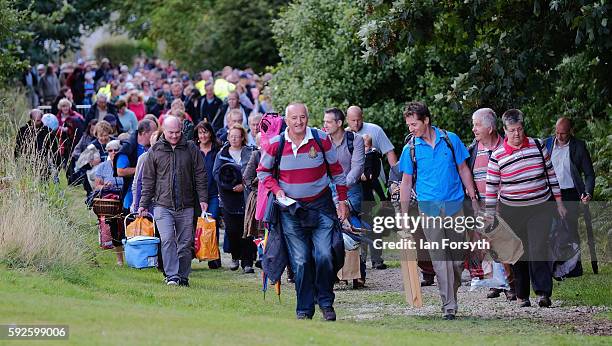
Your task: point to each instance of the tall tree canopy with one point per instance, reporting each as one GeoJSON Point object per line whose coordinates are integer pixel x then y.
{"type": "Point", "coordinates": [549, 58]}
{"type": "Point", "coordinates": [206, 33]}
{"type": "Point", "coordinates": [56, 27]}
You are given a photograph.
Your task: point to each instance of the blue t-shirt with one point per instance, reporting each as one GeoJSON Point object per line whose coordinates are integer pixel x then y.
{"type": "Point", "coordinates": [124, 162]}
{"type": "Point", "coordinates": [438, 184]}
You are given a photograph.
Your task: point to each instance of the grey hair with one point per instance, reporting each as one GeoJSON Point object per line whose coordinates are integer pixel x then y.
{"type": "Point", "coordinates": [511, 117]}
{"type": "Point", "coordinates": [114, 144]}
{"type": "Point", "coordinates": [487, 117]}
{"type": "Point", "coordinates": [101, 94]}
{"type": "Point", "coordinates": [35, 111]}
{"type": "Point", "coordinates": [297, 104]}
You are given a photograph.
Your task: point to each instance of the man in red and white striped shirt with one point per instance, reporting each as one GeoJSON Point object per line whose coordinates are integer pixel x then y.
{"type": "Point", "coordinates": [303, 175]}
{"type": "Point", "coordinates": [521, 174]}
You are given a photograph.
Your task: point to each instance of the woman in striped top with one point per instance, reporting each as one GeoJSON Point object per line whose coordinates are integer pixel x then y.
{"type": "Point", "coordinates": [521, 176]}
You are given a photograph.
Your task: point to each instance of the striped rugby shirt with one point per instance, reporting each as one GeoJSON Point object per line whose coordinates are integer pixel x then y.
{"type": "Point", "coordinates": [521, 173]}
{"type": "Point", "coordinates": [302, 176]}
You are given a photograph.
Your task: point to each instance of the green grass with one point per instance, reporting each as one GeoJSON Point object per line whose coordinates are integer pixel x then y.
{"type": "Point", "coordinates": [121, 305]}
{"type": "Point", "coordinates": [104, 304]}
{"type": "Point", "coordinates": [589, 289]}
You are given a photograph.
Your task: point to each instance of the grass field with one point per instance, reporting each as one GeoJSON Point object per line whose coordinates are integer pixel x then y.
{"type": "Point", "coordinates": [105, 304]}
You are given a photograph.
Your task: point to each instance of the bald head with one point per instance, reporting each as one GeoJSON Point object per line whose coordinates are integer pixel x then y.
{"type": "Point", "coordinates": [563, 130]}
{"type": "Point", "coordinates": [296, 118]}
{"type": "Point", "coordinates": [172, 130]}
{"type": "Point", "coordinates": [354, 118]}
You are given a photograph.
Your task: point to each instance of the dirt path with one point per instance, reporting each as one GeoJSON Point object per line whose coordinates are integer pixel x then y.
{"type": "Point", "coordinates": [383, 296]}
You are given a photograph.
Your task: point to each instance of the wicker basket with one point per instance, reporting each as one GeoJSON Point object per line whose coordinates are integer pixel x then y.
{"type": "Point", "coordinates": [107, 207]}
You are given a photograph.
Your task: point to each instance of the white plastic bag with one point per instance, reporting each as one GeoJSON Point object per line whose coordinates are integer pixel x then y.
{"type": "Point", "coordinates": [498, 280]}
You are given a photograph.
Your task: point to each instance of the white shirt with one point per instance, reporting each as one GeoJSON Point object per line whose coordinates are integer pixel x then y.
{"type": "Point", "coordinates": [561, 162]}
{"type": "Point", "coordinates": [295, 147]}
{"type": "Point", "coordinates": [236, 155]}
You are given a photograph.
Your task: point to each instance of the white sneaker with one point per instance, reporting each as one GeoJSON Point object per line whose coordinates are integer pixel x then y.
{"type": "Point", "coordinates": [172, 282]}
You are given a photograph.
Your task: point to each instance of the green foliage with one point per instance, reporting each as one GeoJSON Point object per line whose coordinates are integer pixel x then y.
{"type": "Point", "coordinates": [10, 41]}
{"type": "Point", "coordinates": [56, 26]}
{"type": "Point", "coordinates": [205, 33]}
{"type": "Point", "coordinates": [548, 58]}
{"type": "Point", "coordinates": [322, 65]}
{"type": "Point", "coordinates": [120, 50]}
{"type": "Point", "coordinates": [238, 33]}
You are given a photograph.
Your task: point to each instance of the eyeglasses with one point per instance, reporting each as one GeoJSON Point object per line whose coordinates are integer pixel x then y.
{"type": "Point", "coordinates": [516, 130]}
{"type": "Point", "coordinates": [112, 150]}
{"type": "Point", "coordinates": [235, 137]}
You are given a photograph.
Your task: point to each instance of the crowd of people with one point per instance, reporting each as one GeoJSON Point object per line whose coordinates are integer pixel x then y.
{"type": "Point", "coordinates": [176, 146]}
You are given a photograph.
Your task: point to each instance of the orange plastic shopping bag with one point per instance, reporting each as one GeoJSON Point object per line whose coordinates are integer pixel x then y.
{"type": "Point", "coordinates": [140, 226]}
{"type": "Point", "coordinates": [206, 245]}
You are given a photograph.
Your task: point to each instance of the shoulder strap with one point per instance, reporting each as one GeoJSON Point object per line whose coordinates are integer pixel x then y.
{"type": "Point", "coordinates": [410, 140]}
{"type": "Point", "coordinates": [278, 156]}
{"type": "Point", "coordinates": [350, 138]}
{"type": "Point", "coordinates": [539, 145]}
{"type": "Point", "coordinates": [473, 152]}
{"type": "Point", "coordinates": [450, 146]}
{"type": "Point", "coordinates": [317, 139]}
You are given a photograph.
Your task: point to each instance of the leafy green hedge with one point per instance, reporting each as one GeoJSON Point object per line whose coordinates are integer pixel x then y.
{"type": "Point", "coordinates": [121, 50]}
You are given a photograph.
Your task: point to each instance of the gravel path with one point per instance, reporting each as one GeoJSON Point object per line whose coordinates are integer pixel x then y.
{"type": "Point", "coordinates": [383, 296]}
{"type": "Point", "coordinates": [474, 304]}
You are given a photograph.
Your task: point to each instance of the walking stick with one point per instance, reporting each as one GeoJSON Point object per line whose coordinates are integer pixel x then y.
{"type": "Point", "coordinates": [591, 239]}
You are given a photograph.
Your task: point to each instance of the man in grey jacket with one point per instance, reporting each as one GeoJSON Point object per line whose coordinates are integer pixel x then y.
{"type": "Point", "coordinates": [175, 178]}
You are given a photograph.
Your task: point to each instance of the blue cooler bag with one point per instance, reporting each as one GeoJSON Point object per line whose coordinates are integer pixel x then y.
{"type": "Point", "coordinates": [141, 251]}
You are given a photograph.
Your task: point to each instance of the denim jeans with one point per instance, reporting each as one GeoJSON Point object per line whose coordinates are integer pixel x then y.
{"type": "Point", "coordinates": [355, 196]}
{"type": "Point", "coordinates": [311, 260]}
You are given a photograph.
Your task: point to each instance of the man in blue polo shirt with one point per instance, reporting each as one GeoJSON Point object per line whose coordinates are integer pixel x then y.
{"type": "Point", "coordinates": [438, 158]}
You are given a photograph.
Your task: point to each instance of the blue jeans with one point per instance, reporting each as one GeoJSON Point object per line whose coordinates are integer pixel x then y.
{"type": "Point", "coordinates": [311, 260]}
{"type": "Point", "coordinates": [213, 206]}
{"type": "Point", "coordinates": [354, 195]}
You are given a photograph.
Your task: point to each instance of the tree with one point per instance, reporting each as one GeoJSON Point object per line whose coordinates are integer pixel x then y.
{"type": "Point", "coordinates": [495, 53]}
{"type": "Point", "coordinates": [56, 26]}
{"type": "Point", "coordinates": [205, 33]}
{"type": "Point", "coordinates": [322, 64]}
{"type": "Point", "coordinates": [10, 42]}
{"type": "Point", "coordinates": [549, 58]}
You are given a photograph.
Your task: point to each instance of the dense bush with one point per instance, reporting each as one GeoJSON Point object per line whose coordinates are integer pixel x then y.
{"type": "Point", "coordinates": [205, 33]}
{"type": "Point", "coordinates": [121, 50]}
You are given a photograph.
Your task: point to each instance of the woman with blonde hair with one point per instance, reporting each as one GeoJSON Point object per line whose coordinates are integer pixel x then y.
{"type": "Point", "coordinates": [228, 171]}
{"type": "Point", "coordinates": [177, 109]}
